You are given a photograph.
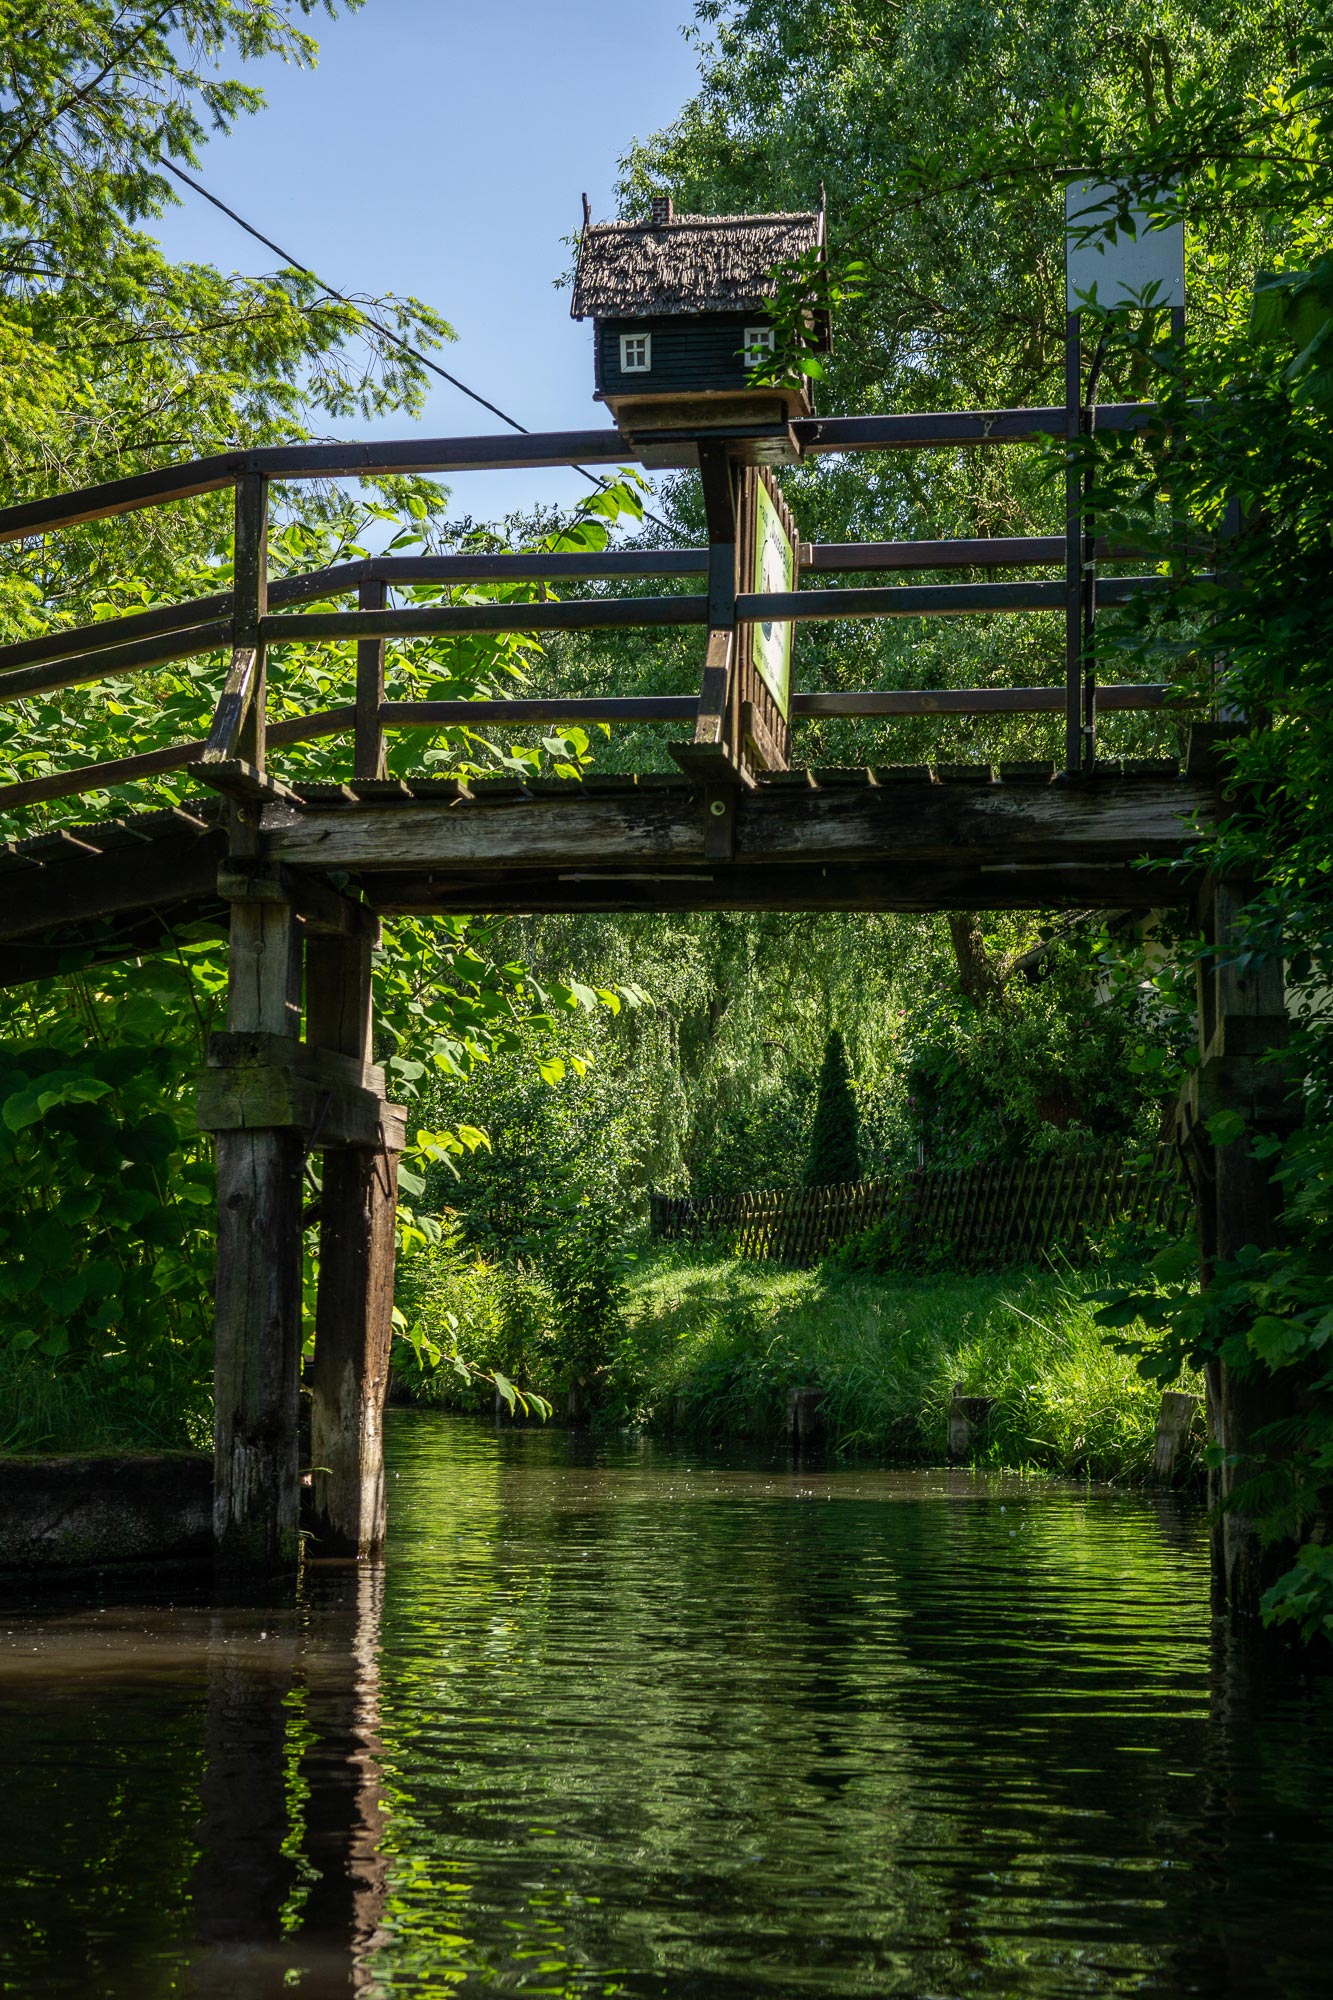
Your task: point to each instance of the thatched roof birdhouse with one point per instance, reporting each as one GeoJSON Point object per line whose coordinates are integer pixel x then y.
{"type": "Point", "coordinates": [683, 330]}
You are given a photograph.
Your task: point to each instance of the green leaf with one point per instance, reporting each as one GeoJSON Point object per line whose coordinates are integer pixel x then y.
{"type": "Point", "coordinates": [1176, 1263]}
{"type": "Point", "coordinates": [1275, 1340]}
{"type": "Point", "coordinates": [1225, 1127]}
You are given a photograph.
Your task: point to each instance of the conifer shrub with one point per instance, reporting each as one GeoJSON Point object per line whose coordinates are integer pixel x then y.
{"type": "Point", "coordinates": [835, 1138]}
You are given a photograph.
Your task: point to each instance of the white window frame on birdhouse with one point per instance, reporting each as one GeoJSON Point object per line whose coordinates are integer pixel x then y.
{"type": "Point", "coordinates": [636, 353]}
{"type": "Point", "coordinates": [758, 348]}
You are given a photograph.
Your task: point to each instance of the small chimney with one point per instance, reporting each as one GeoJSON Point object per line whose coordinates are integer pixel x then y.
{"type": "Point", "coordinates": [664, 210]}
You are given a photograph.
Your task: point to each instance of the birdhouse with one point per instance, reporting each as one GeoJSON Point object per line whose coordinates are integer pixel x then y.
{"type": "Point", "coordinates": [683, 336]}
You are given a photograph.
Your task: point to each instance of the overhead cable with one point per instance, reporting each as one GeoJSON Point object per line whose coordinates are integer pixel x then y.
{"type": "Point", "coordinates": [385, 332]}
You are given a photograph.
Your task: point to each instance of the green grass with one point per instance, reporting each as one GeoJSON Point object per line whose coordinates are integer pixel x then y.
{"type": "Point", "coordinates": [90, 1410]}
{"type": "Point", "coordinates": [715, 1344]}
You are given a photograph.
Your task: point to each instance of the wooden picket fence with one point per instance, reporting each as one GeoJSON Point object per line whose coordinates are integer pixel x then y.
{"type": "Point", "coordinates": [972, 1218]}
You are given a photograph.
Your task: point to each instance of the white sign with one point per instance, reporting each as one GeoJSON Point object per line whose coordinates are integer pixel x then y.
{"type": "Point", "coordinates": [774, 570]}
{"type": "Point", "coordinates": [1122, 269]}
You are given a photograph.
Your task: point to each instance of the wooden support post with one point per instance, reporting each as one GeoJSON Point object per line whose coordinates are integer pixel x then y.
{"type": "Point", "coordinates": [354, 1309]}
{"type": "Point", "coordinates": [969, 1419]}
{"type": "Point", "coordinates": [1242, 1016]}
{"type": "Point", "coordinates": [257, 1313]}
{"type": "Point", "coordinates": [805, 1418]}
{"type": "Point", "coordinates": [1175, 1421]}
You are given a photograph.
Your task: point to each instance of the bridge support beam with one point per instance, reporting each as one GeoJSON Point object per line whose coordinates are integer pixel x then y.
{"type": "Point", "coordinates": [271, 1097]}
{"type": "Point", "coordinates": [1242, 1017]}
{"type": "Point", "coordinates": [257, 1299]}
{"type": "Point", "coordinates": [354, 1308]}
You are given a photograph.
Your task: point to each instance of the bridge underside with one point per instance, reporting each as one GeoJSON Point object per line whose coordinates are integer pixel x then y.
{"type": "Point", "coordinates": [898, 838]}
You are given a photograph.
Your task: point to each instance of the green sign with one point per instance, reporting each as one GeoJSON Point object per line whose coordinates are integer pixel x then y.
{"type": "Point", "coordinates": [774, 569]}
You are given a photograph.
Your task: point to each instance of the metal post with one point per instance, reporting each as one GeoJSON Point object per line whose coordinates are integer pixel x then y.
{"type": "Point", "coordinates": [1088, 594]}
{"type": "Point", "coordinates": [1073, 550]}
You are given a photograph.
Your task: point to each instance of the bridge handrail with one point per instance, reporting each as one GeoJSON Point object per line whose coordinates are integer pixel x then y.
{"type": "Point", "coordinates": [526, 450]}
{"type": "Point", "coordinates": [259, 612]}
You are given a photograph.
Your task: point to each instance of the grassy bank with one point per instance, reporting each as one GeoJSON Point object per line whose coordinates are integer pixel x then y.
{"type": "Point", "coordinates": [721, 1343]}
{"type": "Point", "coordinates": [709, 1346]}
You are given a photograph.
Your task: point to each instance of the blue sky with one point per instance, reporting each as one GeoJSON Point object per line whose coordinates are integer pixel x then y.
{"type": "Point", "coordinates": [441, 149]}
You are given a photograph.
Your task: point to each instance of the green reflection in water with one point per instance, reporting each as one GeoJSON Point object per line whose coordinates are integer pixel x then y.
{"type": "Point", "coordinates": [624, 1721]}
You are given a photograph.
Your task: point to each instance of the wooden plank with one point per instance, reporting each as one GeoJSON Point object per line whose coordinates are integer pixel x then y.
{"type": "Point", "coordinates": [328, 1067]}
{"type": "Point", "coordinates": [155, 763]}
{"type": "Point", "coordinates": [430, 621]}
{"type": "Point", "coordinates": [59, 845]}
{"type": "Point", "coordinates": [620, 613]}
{"type": "Point", "coordinates": [902, 600]}
{"type": "Point", "coordinates": [509, 711]}
{"type": "Point", "coordinates": [263, 1097]}
{"type": "Point", "coordinates": [162, 875]}
{"type": "Point", "coordinates": [317, 903]}
{"type": "Point", "coordinates": [969, 701]}
{"type": "Point", "coordinates": [539, 566]}
{"type": "Point", "coordinates": [67, 641]}
{"type": "Point", "coordinates": [715, 690]}
{"type": "Point", "coordinates": [894, 883]}
{"type": "Point", "coordinates": [996, 825]}
{"type": "Point", "coordinates": [986, 552]}
{"type": "Point", "coordinates": [236, 778]}
{"type": "Point", "coordinates": [100, 777]}
{"type": "Point", "coordinates": [377, 460]}
{"type": "Point", "coordinates": [229, 717]}
{"type": "Point", "coordinates": [370, 460]}
{"type": "Point", "coordinates": [119, 496]}
{"type": "Point", "coordinates": [956, 427]}
{"type": "Point", "coordinates": [135, 657]}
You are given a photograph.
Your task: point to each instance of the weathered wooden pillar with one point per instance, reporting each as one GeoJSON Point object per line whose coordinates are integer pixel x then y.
{"type": "Point", "coordinates": [257, 1310]}
{"type": "Point", "coordinates": [1242, 1018]}
{"type": "Point", "coordinates": [354, 1308]}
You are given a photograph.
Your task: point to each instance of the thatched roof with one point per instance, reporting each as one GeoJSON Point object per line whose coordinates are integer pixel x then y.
{"type": "Point", "coordinates": [686, 264]}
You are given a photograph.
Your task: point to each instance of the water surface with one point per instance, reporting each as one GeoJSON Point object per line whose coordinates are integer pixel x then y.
{"type": "Point", "coordinates": [635, 1720]}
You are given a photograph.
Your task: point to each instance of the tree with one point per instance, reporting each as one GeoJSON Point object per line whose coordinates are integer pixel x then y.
{"type": "Point", "coordinates": [113, 359]}
{"type": "Point", "coordinates": [1246, 420]}
{"type": "Point", "coordinates": [835, 1144]}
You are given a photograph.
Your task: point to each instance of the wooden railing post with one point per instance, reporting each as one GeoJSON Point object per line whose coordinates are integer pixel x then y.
{"type": "Point", "coordinates": [368, 745]}
{"type": "Point", "coordinates": [250, 608]}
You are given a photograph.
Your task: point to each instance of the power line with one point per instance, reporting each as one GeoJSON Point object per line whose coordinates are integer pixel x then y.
{"type": "Point", "coordinates": [385, 332]}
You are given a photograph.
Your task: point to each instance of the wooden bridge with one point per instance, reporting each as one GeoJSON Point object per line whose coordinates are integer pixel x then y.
{"type": "Point", "coordinates": [299, 875]}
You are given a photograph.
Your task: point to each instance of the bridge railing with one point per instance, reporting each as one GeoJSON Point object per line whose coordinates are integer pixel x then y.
{"type": "Point", "coordinates": [258, 613]}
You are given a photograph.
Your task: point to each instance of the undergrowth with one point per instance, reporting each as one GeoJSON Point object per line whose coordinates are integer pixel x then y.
{"type": "Point", "coordinates": [709, 1346]}
{"type": "Point", "coordinates": [88, 1410]}
{"type": "Point", "coordinates": [719, 1343]}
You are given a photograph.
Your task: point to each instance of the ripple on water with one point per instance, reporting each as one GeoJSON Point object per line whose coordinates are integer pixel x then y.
{"type": "Point", "coordinates": [636, 1721]}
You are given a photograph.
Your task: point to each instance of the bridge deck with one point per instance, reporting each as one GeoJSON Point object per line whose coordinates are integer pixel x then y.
{"type": "Point", "coordinates": [907, 838]}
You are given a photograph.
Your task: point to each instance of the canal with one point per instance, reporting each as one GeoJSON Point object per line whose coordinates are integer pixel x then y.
{"type": "Point", "coordinates": [629, 1719]}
